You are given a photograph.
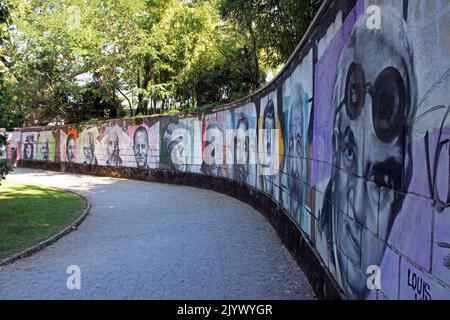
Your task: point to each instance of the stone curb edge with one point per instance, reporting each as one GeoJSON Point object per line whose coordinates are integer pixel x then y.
{"type": "Point", "coordinates": [49, 241]}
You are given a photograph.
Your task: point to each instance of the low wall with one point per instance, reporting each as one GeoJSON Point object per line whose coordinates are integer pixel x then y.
{"type": "Point", "coordinates": [346, 151]}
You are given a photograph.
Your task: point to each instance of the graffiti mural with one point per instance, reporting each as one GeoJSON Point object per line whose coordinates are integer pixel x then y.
{"type": "Point", "coordinates": [29, 145]}
{"type": "Point", "coordinates": [244, 144]}
{"type": "Point", "coordinates": [372, 104]}
{"type": "Point", "coordinates": [177, 144]}
{"type": "Point", "coordinates": [68, 145]}
{"type": "Point", "coordinates": [145, 145]}
{"type": "Point", "coordinates": [216, 144]}
{"type": "Point", "coordinates": [87, 146]}
{"type": "Point", "coordinates": [297, 97]}
{"type": "Point", "coordinates": [46, 146]}
{"type": "Point", "coordinates": [351, 139]}
{"type": "Point", "coordinates": [115, 147]}
{"type": "Point", "coordinates": [270, 145]}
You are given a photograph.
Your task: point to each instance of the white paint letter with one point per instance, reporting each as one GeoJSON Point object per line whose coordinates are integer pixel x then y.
{"type": "Point", "coordinates": [74, 280]}
{"type": "Point", "coordinates": [374, 279]}
{"type": "Point", "coordinates": [374, 20]}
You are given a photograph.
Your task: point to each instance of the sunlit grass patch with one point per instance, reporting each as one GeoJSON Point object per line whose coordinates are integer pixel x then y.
{"type": "Point", "coordinates": [30, 214]}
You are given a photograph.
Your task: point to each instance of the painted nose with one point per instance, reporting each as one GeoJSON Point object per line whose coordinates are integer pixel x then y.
{"type": "Point", "coordinates": [355, 199]}
{"type": "Point", "coordinates": [294, 167]}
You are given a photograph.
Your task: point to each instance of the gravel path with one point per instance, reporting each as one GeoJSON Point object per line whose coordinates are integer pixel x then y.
{"type": "Point", "coordinates": [155, 241]}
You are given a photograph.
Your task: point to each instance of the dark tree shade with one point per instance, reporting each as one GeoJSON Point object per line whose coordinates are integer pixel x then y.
{"type": "Point", "coordinates": [279, 25]}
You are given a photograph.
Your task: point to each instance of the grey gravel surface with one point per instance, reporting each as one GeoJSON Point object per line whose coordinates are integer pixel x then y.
{"type": "Point", "coordinates": [155, 241]}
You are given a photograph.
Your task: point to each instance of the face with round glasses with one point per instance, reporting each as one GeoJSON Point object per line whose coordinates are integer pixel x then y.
{"type": "Point", "coordinates": [373, 101]}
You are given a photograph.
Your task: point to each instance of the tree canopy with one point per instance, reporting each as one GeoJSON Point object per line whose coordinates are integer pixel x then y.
{"type": "Point", "coordinates": [74, 60]}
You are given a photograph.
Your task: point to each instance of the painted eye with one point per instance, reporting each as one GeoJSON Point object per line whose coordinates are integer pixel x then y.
{"type": "Point", "coordinates": [355, 91]}
{"type": "Point", "coordinates": [389, 105]}
{"type": "Point", "coordinates": [349, 151]}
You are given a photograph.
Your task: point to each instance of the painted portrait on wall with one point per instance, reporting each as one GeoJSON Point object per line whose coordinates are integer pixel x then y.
{"type": "Point", "coordinates": [87, 146]}
{"type": "Point", "coordinates": [216, 148]}
{"type": "Point", "coordinates": [46, 146]}
{"type": "Point", "coordinates": [68, 145]}
{"type": "Point", "coordinates": [245, 144]}
{"type": "Point", "coordinates": [297, 94]}
{"type": "Point", "coordinates": [116, 147]}
{"type": "Point", "coordinates": [145, 145]}
{"type": "Point", "coordinates": [29, 140]}
{"type": "Point", "coordinates": [372, 102]}
{"type": "Point", "coordinates": [270, 146]}
{"type": "Point", "coordinates": [176, 144]}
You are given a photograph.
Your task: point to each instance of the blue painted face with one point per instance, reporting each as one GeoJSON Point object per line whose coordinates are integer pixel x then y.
{"type": "Point", "coordinates": [370, 148]}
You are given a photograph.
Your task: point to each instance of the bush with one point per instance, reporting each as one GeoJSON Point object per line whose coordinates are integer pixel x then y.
{"type": "Point", "coordinates": [5, 168]}
{"type": "Point", "coordinates": [5, 165]}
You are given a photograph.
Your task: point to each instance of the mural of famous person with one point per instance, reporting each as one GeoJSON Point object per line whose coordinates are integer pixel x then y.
{"type": "Point", "coordinates": [46, 146]}
{"type": "Point", "coordinates": [269, 146]}
{"type": "Point", "coordinates": [217, 144]}
{"type": "Point", "coordinates": [28, 148]}
{"type": "Point", "coordinates": [113, 150]}
{"type": "Point", "coordinates": [141, 147]}
{"type": "Point", "coordinates": [244, 146]}
{"type": "Point", "coordinates": [89, 148]}
{"type": "Point", "coordinates": [213, 150]}
{"type": "Point", "coordinates": [70, 147]}
{"type": "Point", "coordinates": [295, 161]}
{"type": "Point", "coordinates": [145, 144]}
{"type": "Point", "coordinates": [374, 101]}
{"type": "Point", "coordinates": [175, 145]}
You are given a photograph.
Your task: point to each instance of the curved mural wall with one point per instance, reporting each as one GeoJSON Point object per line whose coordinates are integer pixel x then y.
{"type": "Point", "coordinates": [352, 140]}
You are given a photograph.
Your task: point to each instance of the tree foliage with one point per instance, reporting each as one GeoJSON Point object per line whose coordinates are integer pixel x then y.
{"type": "Point", "coordinates": [273, 26]}
{"type": "Point", "coordinates": [9, 116]}
{"type": "Point", "coordinates": [77, 59]}
{"type": "Point", "coordinates": [5, 165]}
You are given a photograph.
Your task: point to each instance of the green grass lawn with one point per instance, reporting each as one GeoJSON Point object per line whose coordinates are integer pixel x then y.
{"type": "Point", "coordinates": [30, 214]}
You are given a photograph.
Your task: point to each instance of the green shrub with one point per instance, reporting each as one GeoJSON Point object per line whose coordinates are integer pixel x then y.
{"type": "Point", "coordinates": [5, 168]}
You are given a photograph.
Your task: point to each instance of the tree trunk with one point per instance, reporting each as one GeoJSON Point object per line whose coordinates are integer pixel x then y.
{"type": "Point", "coordinates": [256, 73]}
{"type": "Point", "coordinates": [142, 101]}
